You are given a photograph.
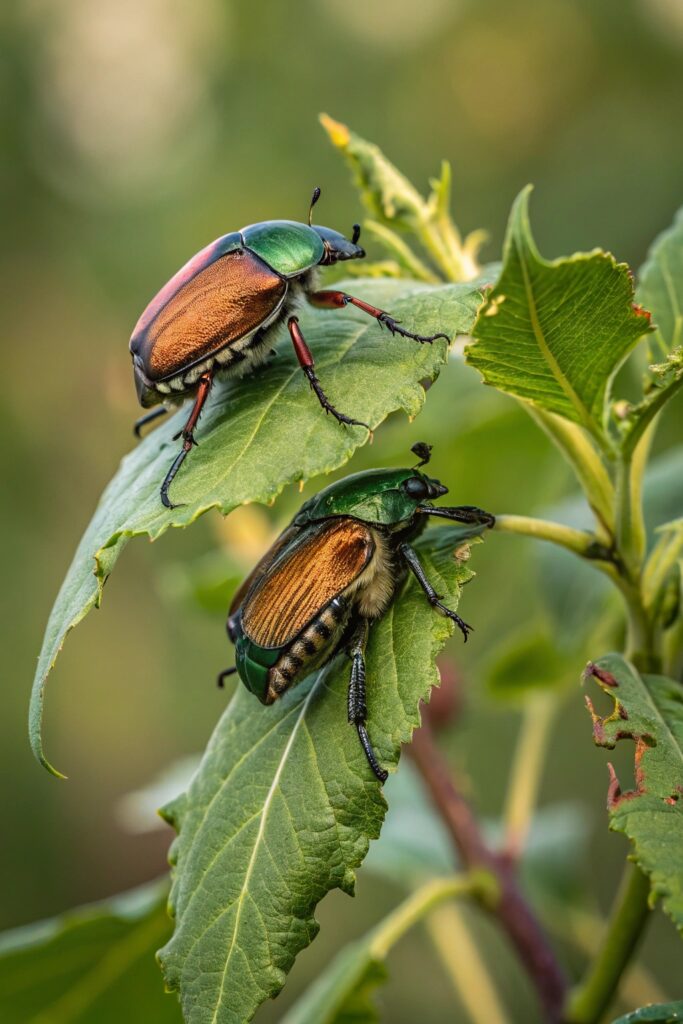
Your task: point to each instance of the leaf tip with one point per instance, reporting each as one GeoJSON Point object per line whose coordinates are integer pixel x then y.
{"type": "Point", "coordinates": [338, 133]}
{"type": "Point", "coordinates": [35, 735]}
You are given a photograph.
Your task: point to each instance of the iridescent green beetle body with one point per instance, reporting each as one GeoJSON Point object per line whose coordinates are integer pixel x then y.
{"type": "Point", "coordinates": [218, 314]}
{"type": "Point", "coordinates": [329, 575]}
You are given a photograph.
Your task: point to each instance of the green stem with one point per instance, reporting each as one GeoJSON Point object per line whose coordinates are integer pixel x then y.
{"type": "Point", "coordinates": [579, 541]}
{"type": "Point", "coordinates": [591, 999]}
{"type": "Point", "coordinates": [590, 471]}
{"type": "Point", "coordinates": [526, 771]}
{"type": "Point", "coordinates": [586, 931]}
{"type": "Point", "coordinates": [402, 252]}
{"type": "Point", "coordinates": [634, 437]}
{"type": "Point", "coordinates": [478, 884]}
{"type": "Point", "coordinates": [640, 646]}
{"type": "Point", "coordinates": [434, 245]}
{"type": "Point", "coordinates": [471, 978]}
{"type": "Point", "coordinates": [630, 524]}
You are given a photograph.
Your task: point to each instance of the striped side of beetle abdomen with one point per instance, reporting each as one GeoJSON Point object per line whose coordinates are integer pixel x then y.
{"type": "Point", "coordinates": [315, 645]}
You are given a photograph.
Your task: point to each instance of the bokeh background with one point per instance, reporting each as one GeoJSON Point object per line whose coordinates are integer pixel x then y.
{"type": "Point", "coordinates": [133, 133]}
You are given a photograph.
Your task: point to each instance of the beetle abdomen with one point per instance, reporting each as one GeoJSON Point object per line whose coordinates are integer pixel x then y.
{"type": "Point", "coordinates": [315, 645]}
{"type": "Point", "coordinates": [227, 300]}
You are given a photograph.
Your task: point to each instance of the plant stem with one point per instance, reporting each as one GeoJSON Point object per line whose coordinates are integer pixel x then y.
{"type": "Point", "coordinates": [591, 999]}
{"type": "Point", "coordinates": [579, 541]}
{"type": "Point", "coordinates": [401, 252]}
{"type": "Point", "coordinates": [465, 965]}
{"type": "Point", "coordinates": [514, 913]}
{"type": "Point", "coordinates": [525, 774]}
{"type": "Point", "coordinates": [630, 525]}
{"type": "Point", "coordinates": [478, 884]}
{"type": "Point", "coordinates": [590, 471]}
{"type": "Point", "coordinates": [586, 931]}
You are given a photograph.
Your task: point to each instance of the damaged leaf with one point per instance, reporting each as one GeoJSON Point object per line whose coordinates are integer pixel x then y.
{"type": "Point", "coordinates": [555, 333]}
{"type": "Point", "coordinates": [648, 710]}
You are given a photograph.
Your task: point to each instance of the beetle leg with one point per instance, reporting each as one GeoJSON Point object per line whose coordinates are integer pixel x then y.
{"type": "Point", "coordinates": [222, 676]}
{"type": "Point", "coordinates": [329, 299]}
{"type": "Point", "coordinates": [306, 362]}
{"type": "Point", "coordinates": [461, 514]}
{"type": "Point", "coordinates": [434, 599]}
{"type": "Point", "coordinates": [356, 697]}
{"type": "Point", "coordinates": [187, 433]}
{"type": "Point", "coordinates": [149, 417]}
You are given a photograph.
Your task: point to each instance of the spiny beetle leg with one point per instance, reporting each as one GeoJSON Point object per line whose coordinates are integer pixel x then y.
{"type": "Point", "coordinates": [356, 697]}
{"type": "Point", "coordinates": [461, 514]}
{"type": "Point", "coordinates": [306, 362]}
{"type": "Point", "coordinates": [187, 433]}
{"type": "Point", "coordinates": [149, 417]}
{"type": "Point", "coordinates": [330, 299]}
{"type": "Point", "coordinates": [434, 599]}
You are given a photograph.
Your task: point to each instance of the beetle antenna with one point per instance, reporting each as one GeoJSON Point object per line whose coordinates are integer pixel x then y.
{"type": "Point", "coordinates": [423, 452]}
{"type": "Point", "coordinates": [356, 234]}
{"type": "Point", "coordinates": [314, 199]}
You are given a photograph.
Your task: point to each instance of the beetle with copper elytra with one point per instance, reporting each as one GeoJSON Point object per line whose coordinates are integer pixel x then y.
{"type": "Point", "coordinates": [218, 314]}
{"type": "Point", "coordinates": [330, 574]}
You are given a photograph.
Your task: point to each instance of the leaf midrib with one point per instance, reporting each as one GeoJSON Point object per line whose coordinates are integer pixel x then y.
{"type": "Point", "coordinates": [539, 336]}
{"type": "Point", "coordinates": [259, 835]}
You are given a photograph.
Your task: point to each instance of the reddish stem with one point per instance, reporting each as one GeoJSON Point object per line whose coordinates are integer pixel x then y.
{"type": "Point", "coordinates": [513, 911]}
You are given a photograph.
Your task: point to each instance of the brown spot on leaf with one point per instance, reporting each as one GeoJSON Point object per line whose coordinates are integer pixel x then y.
{"type": "Point", "coordinates": [643, 743]}
{"type": "Point", "coordinates": [614, 794]}
{"type": "Point", "coordinates": [641, 311]}
{"type": "Point", "coordinates": [600, 673]}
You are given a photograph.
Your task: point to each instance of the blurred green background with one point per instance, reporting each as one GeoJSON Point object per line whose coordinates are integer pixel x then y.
{"type": "Point", "coordinates": [132, 134]}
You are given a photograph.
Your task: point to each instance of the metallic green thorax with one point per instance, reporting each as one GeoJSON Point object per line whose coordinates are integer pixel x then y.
{"type": "Point", "coordinates": [287, 246]}
{"type": "Point", "coordinates": [385, 498]}
{"type": "Point", "coordinates": [377, 496]}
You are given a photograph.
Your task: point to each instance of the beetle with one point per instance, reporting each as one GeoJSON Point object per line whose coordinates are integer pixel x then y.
{"type": "Point", "coordinates": [218, 314]}
{"type": "Point", "coordinates": [329, 575]}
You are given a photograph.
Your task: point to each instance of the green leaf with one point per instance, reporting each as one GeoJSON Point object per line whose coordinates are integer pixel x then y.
{"type": "Point", "coordinates": [386, 192]}
{"type": "Point", "coordinates": [648, 709]}
{"type": "Point", "coordinates": [343, 994]}
{"type": "Point", "coordinates": [663, 1013]}
{"type": "Point", "coordinates": [259, 434]}
{"type": "Point", "coordinates": [660, 287]}
{"type": "Point", "coordinates": [94, 965]}
{"type": "Point", "coordinates": [283, 806]}
{"type": "Point", "coordinates": [395, 202]}
{"type": "Point", "coordinates": [665, 380]}
{"type": "Point", "coordinates": [554, 333]}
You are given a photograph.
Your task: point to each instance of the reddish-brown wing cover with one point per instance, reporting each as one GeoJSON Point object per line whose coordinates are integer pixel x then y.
{"type": "Point", "coordinates": [300, 583]}
{"type": "Point", "coordinates": [227, 300]}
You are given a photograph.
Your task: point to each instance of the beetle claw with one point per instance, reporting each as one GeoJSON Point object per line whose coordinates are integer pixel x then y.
{"type": "Point", "coordinates": [463, 626]}
{"type": "Point", "coordinates": [393, 326]}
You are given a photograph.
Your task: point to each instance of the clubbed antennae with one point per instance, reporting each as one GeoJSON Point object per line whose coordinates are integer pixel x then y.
{"type": "Point", "coordinates": [314, 199]}
{"type": "Point", "coordinates": [423, 452]}
{"type": "Point", "coordinates": [356, 234]}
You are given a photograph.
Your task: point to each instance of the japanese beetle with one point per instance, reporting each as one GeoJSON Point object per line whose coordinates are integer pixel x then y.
{"type": "Point", "coordinates": [218, 315]}
{"type": "Point", "coordinates": [329, 574]}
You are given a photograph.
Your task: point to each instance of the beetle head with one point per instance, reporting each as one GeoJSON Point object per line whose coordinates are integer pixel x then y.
{"type": "Point", "coordinates": [337, 246]}
{"type": "Point", "coordinates": [384, 497]}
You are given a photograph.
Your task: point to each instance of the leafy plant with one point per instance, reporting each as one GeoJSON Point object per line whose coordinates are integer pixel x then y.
{"type": "Point", "coordinates": [281, 809]}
